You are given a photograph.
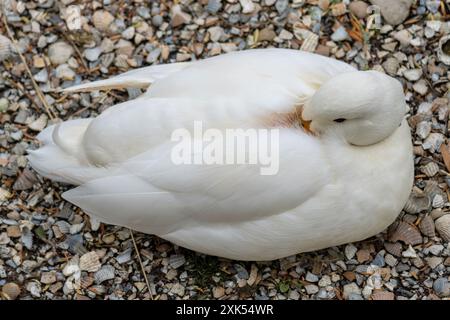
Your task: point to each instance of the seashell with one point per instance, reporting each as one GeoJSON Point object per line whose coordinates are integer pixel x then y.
{"type": "Point", "coordinates": [438, 201]}
{"type": "Point", "coordinates": [75, 228]}
{"type": "Point", "coordinates": [25, 180]}
{"type": "Point", "coordinates": [95, 223]}
{"type": "Point", "coordinates": [121, 61]}
{"type": "Point", "coordinates": [432, 189]}
{"type": "Point", "coordinates": [247, 6]}
{"type": "Point", "coordinates": [66, 212]}
{"type": "Point", "coordinates": [11, 291]}
{"type": "Point", "coordinates": [382, 295]}
{"type": "Point", "coordinates": [426, 226]}
{"type": "Point", "coordinates": [72, 15]}
{"type": "Point", "coordinates": [417, 203]}
{"type": "Point", "coordinates": [433, 142]}
{"type": "Point", "coordinates": [394, 248]}
{"type": "Point", "coordinates": [4, 195]}
{"type": "Point", "coordinates": [102, 19]}
{"type": "Point", "coordinates": [423, 129]}
{"type": "Point", "coordinates": [27, 238]}
{"type": "Point", "coordinates": [63, 226]}
{"type": "Point", "coordinates": [90, 262]}
{"type": "Point", "coordinates": [86, 281]}
{"type": "Point", "coordinates": [437, 213]}
{"type": "Point", "coordinates": [107, 59]}
{"type": "Point", "coordinates": [418, 118]}
{"type": "Point", "coordinates": [443, 227]}
{"type": "Point", "coordinates": [213, 6]}
{"type": "Point", "coordinates": [310, 39]}
{"type": "Point", "coordinates": [406, 233]}
{"type": "Point", "coordinates": [75, 244]}
{"type": "Point", "coordinates": [444, 50]}
{"type": "Point", "coordinates": [418, 151]}
{"type": "Point", "coordinates": [6, 48]}
{"type": "Point", "coordinates": [124, 257]}
{"type": "Point", "coordinates": [104, 274]}
{"type": "Point", "coordinates": [430, 169]}
{"type": "Point", "coordinates": [410, 218]}
{"type": "Point", "coordinates": [72, 267]}
{"type": "Point", "coordinates": [176, 260]}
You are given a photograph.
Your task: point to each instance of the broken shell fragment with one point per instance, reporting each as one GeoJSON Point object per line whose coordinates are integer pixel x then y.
{"type": "Point", "coordinates": [394, 248]}
{"type": "Point", "coordinates": [417, 203]}
{"type": "Point", "coordinates": [430, 169]}
{"type": "Point", "coordinates": [407, 233]}
{"type": "Point", "coordinates": [90, 262]}
{"type": "Point", "coordinates": [104, 274]}
{"type": "Point", "coordinates": [426, 226]}
{"type": "Point", "coordinates": [6, 48]}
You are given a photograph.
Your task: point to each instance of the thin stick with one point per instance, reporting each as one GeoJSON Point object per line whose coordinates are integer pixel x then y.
{"type": "Point", "coordinates": [41, 97]}
{"type": "Point", "coordinates": [142, 266]}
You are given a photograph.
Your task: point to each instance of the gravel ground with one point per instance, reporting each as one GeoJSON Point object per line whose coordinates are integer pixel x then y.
{"type": "Point", "coordinates": [52, 250]}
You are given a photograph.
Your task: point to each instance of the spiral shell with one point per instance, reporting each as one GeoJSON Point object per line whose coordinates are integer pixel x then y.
{"type": "Point", "coordinates": [444, 50]}
{"type": "Point", "coordinates": [382, 295]}
{"type": "Point", "coordinates": [394, 248]}
{"type": "Point", "coordinates": [407, 233]}
{"type": "Point", "coordinates": [104, 274]}
{"type": "Point", "coordinates": [426, 226]}
{"type": "Point", "coordinates": [443, 227]}
{"type": "Point", "coordinates": [6, 48]}
{"type": "Point", "coordinates": [90, 262]}
{"type": "Point", "coordinates": [417, 203]}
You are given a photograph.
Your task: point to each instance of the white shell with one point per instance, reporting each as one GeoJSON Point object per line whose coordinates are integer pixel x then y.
{"type": "Point", "coordinates": [90, 262]}
{"type": "Point", "coordinates": [444, 50]}
{"type": "Point", "coordinates": [443, 227]}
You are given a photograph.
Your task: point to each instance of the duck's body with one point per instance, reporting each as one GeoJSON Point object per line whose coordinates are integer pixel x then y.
{"type": "Point", "coordinates": [327, 191]}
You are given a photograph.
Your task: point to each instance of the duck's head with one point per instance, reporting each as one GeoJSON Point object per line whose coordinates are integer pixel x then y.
{"type": "Point", "coordinates": [365, 107]}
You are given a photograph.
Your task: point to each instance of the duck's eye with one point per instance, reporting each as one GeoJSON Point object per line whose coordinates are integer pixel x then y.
{"type": "Point", "coordinates": [339, 120]}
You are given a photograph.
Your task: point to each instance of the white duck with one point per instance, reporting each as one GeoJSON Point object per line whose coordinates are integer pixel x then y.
{"type": "Point", "coordinates": [345, 183]}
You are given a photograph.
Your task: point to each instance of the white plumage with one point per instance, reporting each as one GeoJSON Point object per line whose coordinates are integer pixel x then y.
{"type": "Point", "coordinates": [344, 184]}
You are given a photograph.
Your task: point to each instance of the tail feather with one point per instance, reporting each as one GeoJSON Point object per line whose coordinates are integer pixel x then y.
{"type": "Point", "coordinates": [61, 157]}
{"type": "Point", "coordinates": [139, 78]}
